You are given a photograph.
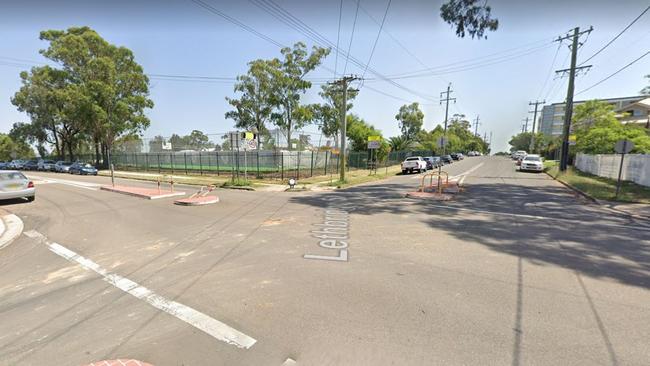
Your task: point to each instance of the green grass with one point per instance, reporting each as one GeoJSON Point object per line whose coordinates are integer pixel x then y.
{"type": "Point", "coordinates": [598, 187]}
{"type": "Point", "coordinates": [353, 177]}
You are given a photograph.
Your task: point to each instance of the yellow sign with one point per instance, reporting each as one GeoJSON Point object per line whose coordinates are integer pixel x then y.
{"type": "Point", "coordinates": [335, 151]}
{"type": "Point", "coordinates": [249, 135]}
{"type": "Point", "coordinates": [572, 139]}
{"type": "Point", "coordinates": [374, 138]}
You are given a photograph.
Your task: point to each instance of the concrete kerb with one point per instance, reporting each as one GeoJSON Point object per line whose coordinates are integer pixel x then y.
{"type": "Point", "coordinates": [11, 227]}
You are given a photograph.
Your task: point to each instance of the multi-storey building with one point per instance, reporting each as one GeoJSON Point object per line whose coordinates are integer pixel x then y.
{"type": "Point", "coordinates": [630, 110]}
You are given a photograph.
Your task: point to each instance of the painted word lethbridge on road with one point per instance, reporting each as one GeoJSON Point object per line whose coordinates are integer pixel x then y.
{"type": "Point", "coordinates": [333, 232]}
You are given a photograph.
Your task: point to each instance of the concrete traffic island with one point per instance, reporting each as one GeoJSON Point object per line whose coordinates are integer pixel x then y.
{"type": "Point", "coordinates": [141, 192]}
{"type": "Point", "coordinates": [197, 201]}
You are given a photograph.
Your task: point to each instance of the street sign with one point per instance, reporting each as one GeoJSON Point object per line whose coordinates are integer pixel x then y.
{"type": "Point", "coordinates": [335, 151]}
{"type": "Point", "coordinates": [374, 144]}
{"type": "Point", "coordinates": [252, 144]}
{"type": "Point", "coordinates": [166, 145]}
{"type": "Point", "coordinates": [572, 139]}
{"type": "Point", "coordinates": [624, 146]}
{"type": "Point", "coordinates": [441, 142]}
{"type": "Point", "coordinates": [247, 136]}
{"type": "Point", "coordinates": [374, 138]}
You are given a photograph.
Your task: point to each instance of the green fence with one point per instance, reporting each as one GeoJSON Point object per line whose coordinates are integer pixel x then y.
{"type": "Point", "coordinates": [263, 164]}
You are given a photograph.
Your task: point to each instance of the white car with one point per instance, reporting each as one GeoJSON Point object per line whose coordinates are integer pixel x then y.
{"type": "Point", "coordinates": [520, 154]}
{"type": "Point", "coordinates": [531, 163]}
{"type": "Point", "coordinates": [414, 164]}
{"type": "Point", "coordinates": [14, 184]}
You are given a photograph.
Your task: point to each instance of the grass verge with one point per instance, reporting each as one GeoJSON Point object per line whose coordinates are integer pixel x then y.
{"type": "Point", "coordinates": [353, 177]}
{"type": "Point", "coordinates": [598, 187]}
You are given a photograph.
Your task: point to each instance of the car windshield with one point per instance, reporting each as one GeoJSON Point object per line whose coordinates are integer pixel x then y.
{"type": "Point", "coordinates": [532, 158]}
{"type": "Point", "coordinates": [87, 166]}
{"type": "Point", "coordinates": [12, 176]}
{"type": "Point", "coordinates": [411, 159]}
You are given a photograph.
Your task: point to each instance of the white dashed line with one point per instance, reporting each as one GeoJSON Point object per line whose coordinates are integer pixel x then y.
{"type": "Point", "coordinates": [185, 313]}
{"type": "Point", "coordinates": [84, 185]}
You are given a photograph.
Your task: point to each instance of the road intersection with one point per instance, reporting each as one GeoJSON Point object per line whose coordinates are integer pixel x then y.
{"type": "Point", "coordinates": [515, 270]}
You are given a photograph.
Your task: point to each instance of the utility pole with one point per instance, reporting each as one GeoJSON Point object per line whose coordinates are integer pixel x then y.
{"type": "Point", "coordinates": [476, 123]}
{"type": "Point", "coordinates": [446, 100]}
{"type": "Point", "coordinates": [343, 83]}
{"type": "Point", "coordinates": [568, 109]}
{"type": "Point", "coordinates": [532, 139]}
{"type": "Point", "coordinates": [525, 125]}
{"type": "Point", "coordinates": [490, 143]}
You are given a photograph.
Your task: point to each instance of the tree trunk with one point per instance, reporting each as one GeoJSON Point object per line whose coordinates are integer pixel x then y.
{"type": "Point", "coordinates": [96, 151]}
{"type": "Point", "coordinates": [61, 154]}
{"type": "Point", "coordinates": [70, 149]}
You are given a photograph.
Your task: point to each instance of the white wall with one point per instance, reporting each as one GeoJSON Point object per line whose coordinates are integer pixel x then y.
{"type": "Point", "coordinates": [636, 167]}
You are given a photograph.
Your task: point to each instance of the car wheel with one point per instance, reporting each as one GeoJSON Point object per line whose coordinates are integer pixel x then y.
{"type": "Point", "coordinates": [403, 172]}
{"type": "Point", "coordinates": [31, 199]}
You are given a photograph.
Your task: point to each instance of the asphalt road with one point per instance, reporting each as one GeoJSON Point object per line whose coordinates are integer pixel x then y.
{"type": "Point", "coordinates": [516, 270]}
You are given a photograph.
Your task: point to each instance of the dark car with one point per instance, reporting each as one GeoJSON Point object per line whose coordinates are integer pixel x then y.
{"type": "Point", "coordinates": [447, 159]}
{"type": "Point", "coordinates": [433, 162]}
{"type": "Point", "coordinates": [31, 165]}
{"type": "Point", "coordinates": [82, 169]}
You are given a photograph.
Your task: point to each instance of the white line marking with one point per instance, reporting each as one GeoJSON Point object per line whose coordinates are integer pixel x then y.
{"type": "Point", "coordinates": [185, 313]}
{"type": "Point", "coordinates": [12, 227]}
{"type": "Point", "coordinates": [467, 172]}
{"type": "Point", "coordinates": [289, 362]}
{"type": "Point", "coordinates": [84, 185]}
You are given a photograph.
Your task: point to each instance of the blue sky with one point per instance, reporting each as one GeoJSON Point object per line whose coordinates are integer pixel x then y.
{"type": "Point", "coordinates": [179, 37]}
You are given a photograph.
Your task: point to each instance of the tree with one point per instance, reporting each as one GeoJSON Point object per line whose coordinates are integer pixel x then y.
{"type": "Point", "coordinates": [156, 144]}
{"type": "Point", "coordinates": [400, 143]}
{"type": "Point", "coordinates": [646, 90]}
{"type": "Point", "coordinates": [288, 81]}
{"type": "Point", "coordinates": [129, 144]}
{"type": "Point", "coordinates": [469, 16]}
{"type": "Point", "coordinates": [10, 149]}
{"type": "Point", "coordinates": [44, 97]}
{"type": "Point", "coordinates": [113, 87]}
{"type": "Point", "coordinates": [255, 106]}
{"type": "Point", "coordinates": [593, 113]}
{"type": "Point", "coordinates": [328, 114]}
{"type": "Point", "coordinates": [197, 140]}
{"type": "Point", "coordinates": [410, 119]}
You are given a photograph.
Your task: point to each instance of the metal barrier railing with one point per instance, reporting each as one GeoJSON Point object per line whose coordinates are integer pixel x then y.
{"type": "Point", "coordinates": [431, 176]}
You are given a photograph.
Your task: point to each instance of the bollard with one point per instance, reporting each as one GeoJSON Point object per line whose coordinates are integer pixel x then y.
{"type": "Point", "coordinates": [158, 181]}
{"type": "Point", "coordinates": [171, 182]}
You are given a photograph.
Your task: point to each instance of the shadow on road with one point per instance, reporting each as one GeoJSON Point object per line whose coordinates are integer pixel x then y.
{"type": "Point", "coordinates": [553, 227]}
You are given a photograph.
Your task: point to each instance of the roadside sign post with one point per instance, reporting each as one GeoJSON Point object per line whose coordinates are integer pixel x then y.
{"type": "Point", "coordinates": [622, 147]}
{"type": "Point", "coordinates": [374, 143]}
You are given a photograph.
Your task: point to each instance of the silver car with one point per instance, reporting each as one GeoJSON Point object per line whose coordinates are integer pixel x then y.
{"type": "Point", "coordinates": [14, 184]}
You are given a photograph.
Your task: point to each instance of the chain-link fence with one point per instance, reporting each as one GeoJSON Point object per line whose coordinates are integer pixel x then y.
{"type": "Point", "coordinates": [279, 165]}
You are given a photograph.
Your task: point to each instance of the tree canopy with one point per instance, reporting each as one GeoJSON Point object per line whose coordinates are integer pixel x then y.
{"type": "Point", "coordinates": [473, 17]}
{"type": "Point", "coordinates": [410, 119]}
{"type": "Point", "coordinates": [99, 92]}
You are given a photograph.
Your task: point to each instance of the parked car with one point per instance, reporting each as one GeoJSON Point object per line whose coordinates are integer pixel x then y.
{"type": "Point", "coordinates": [414, 164]}
{"type": "Point", "coordinates": [82, 169]}
{"type": "Point", "coordinates": [31, 165]}
{"type": "Point", "coordinates": [446, 159]}
{"type": "Point", "coordinates": [16, 164]}
{"type": "Point", "coordinates": [519, 154]}
{"type": "Point", "coordinates": [531, 163]}
{"type": "Point", "coordinates": [46, 165]}
{"type": "Point", "coordinates": [457, 156]}
{"type": "Point", "coordinates": [4, 165]}
{"type": "Point", "coordinates": [62, 166]}
{"type": "Point", "coordinates": [471, 153]}
{"type": "Point", "coordinates": [14, 184]}
{"type": "Point", "coordinates": [432, 161]}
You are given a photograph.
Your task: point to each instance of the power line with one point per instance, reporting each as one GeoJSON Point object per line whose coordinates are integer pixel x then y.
{"type": "Point", "coordinates": [338, 37]}
{"type": "Point", "coordinates": [376, 40]}
{"type": "Point", "coordinates": [613, 74]}
{"type": "Point", "coordinates": [550, 71]}
{"type": "Point", "coordinates": [354, 25]}
{"type": "Point", "coordinates": [295, 23]}
{"type": "Point", "coordinates": [497, 55]}
{"type": "Point", "coordinates": [618, 35]}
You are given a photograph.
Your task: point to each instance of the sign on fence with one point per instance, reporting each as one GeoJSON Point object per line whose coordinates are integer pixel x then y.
{"type": "Point", "coordinates": [374, 144]}
{"type": "Point", "coordinates": [374, 138]}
